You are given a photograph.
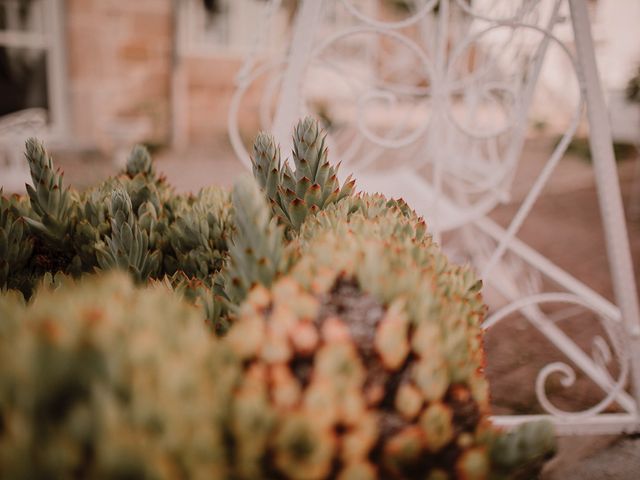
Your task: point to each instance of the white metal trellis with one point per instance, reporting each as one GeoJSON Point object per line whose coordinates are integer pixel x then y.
{"type": "Point", "coordinates": [455, 132]}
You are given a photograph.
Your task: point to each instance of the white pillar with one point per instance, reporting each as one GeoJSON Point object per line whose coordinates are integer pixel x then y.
{"type": "Point", "coordinates": [308, 18]}
{"type": "Point", "coordinates": [608, 186]}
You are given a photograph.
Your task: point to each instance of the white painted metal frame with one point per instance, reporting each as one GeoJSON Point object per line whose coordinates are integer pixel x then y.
{"type": "Point", "coordinates": [454, 208]}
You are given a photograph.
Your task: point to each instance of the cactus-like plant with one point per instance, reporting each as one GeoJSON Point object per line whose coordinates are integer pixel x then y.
{"type": "Point", "coordinates": [127, 247]}
{"type": "Point", "coordinates": [51, 202]}
{"type": "Point", "coordinates": [310, 187]}
{"type": "Point", "coordinates": [354, 347]}
{"type": "Point", "coordinates": [366, 360]}
{"type": "Point", "coordinates": [133, 222]}
{"type": "Point", "coordinates": [16, 246]}
{"type": "Point", "coordinates": [256, 248]}
{"type": "Point", "coordinates": [101, 380]}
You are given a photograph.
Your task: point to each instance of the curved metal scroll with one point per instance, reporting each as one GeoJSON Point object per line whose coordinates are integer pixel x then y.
{"type": "Point", "coordinates": [435, 104]}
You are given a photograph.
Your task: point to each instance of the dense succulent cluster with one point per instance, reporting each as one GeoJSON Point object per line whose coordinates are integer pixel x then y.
{"type": "Point", "coordinates": [133, 222]}
{"type": "Point", "coordinates": [101, 380]}
{"type": "Point", "coordinates": [366, 360]}
{"type": "Point", "coordinates": [16, 246]}
{"type": "Point", "coordinates": [354, 348]}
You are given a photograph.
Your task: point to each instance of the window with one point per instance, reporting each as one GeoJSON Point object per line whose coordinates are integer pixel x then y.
{"type": "Point", "coordinates": [230, 27]}
{"type": "Point", "coordinates": [31, 61]}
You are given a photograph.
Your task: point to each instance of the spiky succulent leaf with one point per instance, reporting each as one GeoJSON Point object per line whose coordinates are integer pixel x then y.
{"type": "Point", "coordinates": [127, 248]}
{"type": "Point", "coordinates": [313, 185]}
{"type": "Point", "coordinates": [139, 162]}
{"type": "Point", "coordinates": [51, 202]}
{"type": "Point", "coordinates": [256, 247]}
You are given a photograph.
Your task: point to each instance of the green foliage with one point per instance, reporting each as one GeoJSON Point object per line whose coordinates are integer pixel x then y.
{"type": "Point", "coordinates": [133, 222]}
{"type": "Point", "coordinates": [367, 357]}
{"type": "Point", "coordinates": [311, 187]}
{"type": "Point", "coordinates": [51, 203]}
{"type": "Point", "coordinates": [256, 247]}
{"type": "Point", "coordinates": [127, 247]}
{"type": "Point", "coordinates": [101, 380]}
{"type": "Point", "coordinates": [16, 246]}
{"type": "Point", "coordinates": [354, 348]}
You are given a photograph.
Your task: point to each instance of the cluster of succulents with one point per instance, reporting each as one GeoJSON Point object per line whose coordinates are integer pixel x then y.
{"type": "Point", "coordinates": [103, 380]}
{"type": "Point", "coordinates": [353, 348]}
{"type": "Point", "coordinates": [366, 361]}
{"type": "Point", "coordinates": [133, 222]}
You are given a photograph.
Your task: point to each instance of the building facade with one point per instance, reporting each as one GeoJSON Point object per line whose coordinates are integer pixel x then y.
{"type": "Point", "coordinates": [108, 72]}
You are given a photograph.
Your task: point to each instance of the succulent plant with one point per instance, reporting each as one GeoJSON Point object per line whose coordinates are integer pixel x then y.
{"type": "Point", "coordinates": [256, 247]}
{"type": "Point", "coordinates": [311, 187]}
{"type": "Point", "coordinates": [101, 380]}
{"type": "Point", "coordinates": [198, 236]}
{"type": "Point", "coordinates": [51, 203]}
{"type": "Point", "coordinates": [127, 247]}
{"type": "Point", "coordinates": [139, 162]}
{"type": "Point", "coordinates": [133, 222]}
{"type": "Point", "coordinates": [16, 246]}
{"type": "Point", "coordinates": [354, 348]}
{"type": "Point", "coordinates": [366, 361]}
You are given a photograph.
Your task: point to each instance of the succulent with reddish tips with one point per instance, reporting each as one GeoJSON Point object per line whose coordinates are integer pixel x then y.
{"type": "Point", "coordinates": [375, 385]}
{"type": "Point", "coordinates": [16, 246]}
{"type": "Point", "coordinates": [94, 381]}
{"type": "Point", "coordinates": [51, 203]}
{"type": "Point", "coordinates": [132, 222]}
{"type": "Point", "coordinates": [127, 247]}
{"type": "Point", "coordinates": [354, 348]}
{"type": "Point", "coordinates": [294, 194]}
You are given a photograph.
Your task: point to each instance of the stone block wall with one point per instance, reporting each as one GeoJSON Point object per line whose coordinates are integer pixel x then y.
{"type": "Point", "coordinates": [119, 56]}
{"type": "Point", "coordinates": [125, 87]}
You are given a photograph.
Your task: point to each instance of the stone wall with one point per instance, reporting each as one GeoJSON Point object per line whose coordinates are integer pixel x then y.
{"type": "Point", "coordinates": [124, 87]}
{"type": "Point", "coordinates": [119, 56]}
{"type": "Point", "coordinates": [207, 89]}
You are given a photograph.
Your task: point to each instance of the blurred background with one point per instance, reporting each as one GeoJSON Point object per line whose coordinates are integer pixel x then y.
{"type": "Point", "coordinates": [94, 77]}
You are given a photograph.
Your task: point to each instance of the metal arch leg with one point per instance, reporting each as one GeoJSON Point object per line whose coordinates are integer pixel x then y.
{"type": "Point", "coordinates": [608, 187]}
{"type": "Point", "coordinates": [287, 113]}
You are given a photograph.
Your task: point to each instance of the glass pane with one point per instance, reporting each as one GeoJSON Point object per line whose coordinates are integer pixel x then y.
{"type": "Point", "coordinates": [23, 79]}
{"type": "Point", "coordinates": [216, 28]}
{"type": "Point", "coordinates": [22, 15]}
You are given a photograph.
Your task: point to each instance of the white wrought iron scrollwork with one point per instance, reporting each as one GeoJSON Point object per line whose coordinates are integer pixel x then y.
{"type": "Point", "coordinates": [601, 356]}
{"type": "Point", "coordinates": [444, 122]}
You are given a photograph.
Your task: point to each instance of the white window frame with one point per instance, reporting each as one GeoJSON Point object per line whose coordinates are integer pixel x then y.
{"type": "Point", "coordinates": [243, 18]}
{"type": "Point", "coordinates": [51, 41]}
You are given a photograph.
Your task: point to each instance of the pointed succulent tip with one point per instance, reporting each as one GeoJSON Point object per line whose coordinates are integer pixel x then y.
{"type": "Point", "coordinates": [139, 161]}
{"type": "Point", "coordinates": [264, 143]}
{"type": "Point", "coordinates": [263, 138]}
{"type": "Point", "coordinates": [35, 151]}
{"type": "Point", "coordinates": [120, 201]}
{"type": "Point", "coordinates": [33, 143]}
{"type": "Point", "coordinates": [308, 123]}
{"type": "Point", "coordinates": [307, 130]}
